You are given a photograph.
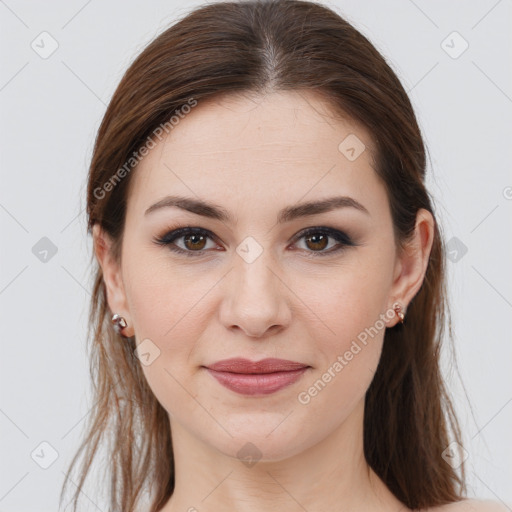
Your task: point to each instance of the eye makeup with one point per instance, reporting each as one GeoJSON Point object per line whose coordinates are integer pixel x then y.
{"type": "Point", "coordinates": [318, 235]}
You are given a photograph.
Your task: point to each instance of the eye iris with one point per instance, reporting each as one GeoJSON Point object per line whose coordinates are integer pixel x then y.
{"type": "Point", "coordinates": [194, 236]}
{"type": "Point", "coordinates": [323, 241]}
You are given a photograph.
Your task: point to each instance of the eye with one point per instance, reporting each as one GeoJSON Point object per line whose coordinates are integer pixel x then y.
{"type": "Point", "coordinates": [195, 240]}
{"type": "Point", "coordinates": [317, 239]}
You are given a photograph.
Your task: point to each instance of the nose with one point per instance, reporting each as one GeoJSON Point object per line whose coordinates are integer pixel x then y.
{"type": "Point", "coordinates": [255, 298]}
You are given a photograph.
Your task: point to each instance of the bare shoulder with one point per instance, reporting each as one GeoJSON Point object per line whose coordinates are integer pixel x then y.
{"type": "Point", "coordinates": [473, 505]}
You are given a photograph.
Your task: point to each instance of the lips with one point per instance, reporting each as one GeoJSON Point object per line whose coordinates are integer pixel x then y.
{"type": "Point", "coordinates": [269, 365]}
{"type": "Point", "coordinates": [256, 377]}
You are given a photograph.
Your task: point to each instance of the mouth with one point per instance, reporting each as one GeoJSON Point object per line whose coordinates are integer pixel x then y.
{"type": "Point", "coordinates": [256, 378]}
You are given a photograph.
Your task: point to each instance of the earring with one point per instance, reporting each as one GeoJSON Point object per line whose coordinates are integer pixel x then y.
{"type": "Point", "coordinates": [398, 311]}
{"type": "Point", "coordinates": [119, 324]}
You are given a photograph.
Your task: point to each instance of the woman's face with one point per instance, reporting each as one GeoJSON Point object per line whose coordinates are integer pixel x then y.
{"type": "Point", "coordinates": [253, 285]}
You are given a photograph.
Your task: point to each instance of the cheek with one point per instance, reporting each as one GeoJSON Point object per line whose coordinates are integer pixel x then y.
{"type": "Point", "coordinates": [164, 310]}
{"type": "Point", "coordinates": [163, 295]}
{"type": "Point", "coordinates": [352, 299]}
{"type": "Point", "coordinates": [348, 353]}
{"type": "Point", "coordinates": [164, 304]}
{"type": "Point", "coordinates": [352, 308]}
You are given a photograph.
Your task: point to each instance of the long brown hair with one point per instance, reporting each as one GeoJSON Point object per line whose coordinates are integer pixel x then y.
{"type": "Point", "coordinates": [265, 46]}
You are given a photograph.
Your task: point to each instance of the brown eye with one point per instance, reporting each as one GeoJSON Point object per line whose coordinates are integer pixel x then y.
{"type": "Point", "coordinates": [194, 241]}
{"type": "Point", "coordinates": [317, 242]}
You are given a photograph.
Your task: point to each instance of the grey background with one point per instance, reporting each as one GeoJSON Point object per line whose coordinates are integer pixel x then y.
{"type": "Point", "coordinates": [50, 111]}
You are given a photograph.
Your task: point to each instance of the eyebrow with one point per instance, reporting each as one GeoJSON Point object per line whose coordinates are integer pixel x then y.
{"type": "Point", "coordinates": [214, 211]}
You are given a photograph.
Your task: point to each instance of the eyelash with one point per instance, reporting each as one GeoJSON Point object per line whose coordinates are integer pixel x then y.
{"type": "Point", "coordinates": [343, 240]}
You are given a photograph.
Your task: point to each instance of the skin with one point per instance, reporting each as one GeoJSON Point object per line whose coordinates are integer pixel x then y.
{"type": "Point", "coordinates": [253, 156]}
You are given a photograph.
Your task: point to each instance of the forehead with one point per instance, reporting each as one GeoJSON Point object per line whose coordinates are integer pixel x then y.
{"type": "Point", "coordinates": [258, 148]}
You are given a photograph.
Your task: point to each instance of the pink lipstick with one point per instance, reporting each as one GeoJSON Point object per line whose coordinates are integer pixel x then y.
{"type": "Point", "coordinates": [256, 377]}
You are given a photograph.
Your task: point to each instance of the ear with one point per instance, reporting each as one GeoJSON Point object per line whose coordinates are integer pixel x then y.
{"type": "Point", "coordinates": [112, 277]}
{"type": "Point", "coordinates": [412, 263]}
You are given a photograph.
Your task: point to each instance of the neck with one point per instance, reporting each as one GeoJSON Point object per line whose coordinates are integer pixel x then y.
{"type": "Point", "coordinates": [332, 474]}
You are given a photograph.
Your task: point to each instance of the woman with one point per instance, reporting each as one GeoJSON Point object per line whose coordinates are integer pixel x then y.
{"type": "Point", "coordinates": [269, 300]}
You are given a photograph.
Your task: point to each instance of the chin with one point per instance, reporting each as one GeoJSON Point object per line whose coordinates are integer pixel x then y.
{"type": "Point", "coordinates": [256, 441]}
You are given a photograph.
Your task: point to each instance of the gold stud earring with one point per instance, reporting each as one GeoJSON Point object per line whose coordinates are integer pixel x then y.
{"type": "Point", "coordinates": [398, 311]}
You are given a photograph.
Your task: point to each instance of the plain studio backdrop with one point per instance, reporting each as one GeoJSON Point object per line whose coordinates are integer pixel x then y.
{"type": "Point", "coordinates": [61, 62]}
